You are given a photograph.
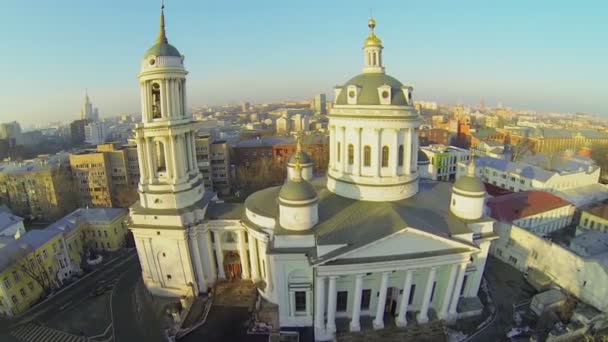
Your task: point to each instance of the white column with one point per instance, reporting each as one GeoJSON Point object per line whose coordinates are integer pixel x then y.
{"type": "Point", "coordinates": [169, 164]}
{"type": "Point", "coordinates": [395, 154]}
{"type": "Point", "coordinates": [423, 315]}
{"type": "Point", "coordinates": [181, 156]}
{"type": "Point", "coordinates": [243, 255]}
{"type": "Point", "coordinates": [142, 160]}
{"type": "Point", "coordinates": [443, 312]}
{"type": "Point", "coordinates": [217, 237]}
{"type": "Point", "coordinates": [355, 325]}
{"type": "Point", "coordinates": [174, 161]}
{"type": "Point", "coordinates": [183, 99]}
{"type": "Point", "coordinates": [163, 98]}
{"type": "Point", "coordinates": [415, 143]}
{"type": "Point", "coordinates": [405, 297]}
{"type": "Point", "coordinates": [379, 320]}
{"type": "Point", "coordinates": [332, 145]}
{"type": "Point", "coordinates": [343, 152]}
{"type": "Point", "coordinates": [320, 306]}
{"type": "Point", "coordinates": [359, 151]}
{"type": "Point", "coordinates": [210, 262]}
{"type": "Point", "coordinates": [253, 256]}
{"type": "Point", "coordinates": [378, 151]}
{"type": "Point", "coordinates": [151, 156]}
{"type": "Point", "coordinates": [456, 294]}
{"type": "Point", "coordinates": [331, 305]}
{"type": "Point", "coordinates": [408, 146]}
{"type": "Point", "coordinates": [198, 262]}
{"type": "Point", "coordinates": [192, 152]}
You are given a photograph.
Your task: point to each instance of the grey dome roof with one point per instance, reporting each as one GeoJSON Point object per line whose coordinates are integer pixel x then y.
{"type": "Point", "coordinates": [304, 158]}
{"type": "Point", "coordinates": [369, 84]}
{"type": "Point", "coordinates": [162, 49]}
{"type": "Point", "coordinates": [299, 190]}
{"type": "Point", "coordinates": [469, 184]}
{"type": "Point", "coordinates": [422, 157]}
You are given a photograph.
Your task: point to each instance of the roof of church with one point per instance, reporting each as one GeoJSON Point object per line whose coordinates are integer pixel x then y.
{"type": "Point", "coordinates": [368, 92]}
{"type": "Point", "coordinates": [297, 190]}
{"type": "Point", "coordinates": [357, 223]}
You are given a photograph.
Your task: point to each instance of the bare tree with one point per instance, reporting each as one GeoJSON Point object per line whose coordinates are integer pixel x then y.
{"type": "Point", "coordinates": [260, 174]}
{"type": "Point", "coordinates": [34, 269]}
{"type": "Point", "coordinates": [126, 197]}
{"type": "Point", "coordinates": [522, 149]}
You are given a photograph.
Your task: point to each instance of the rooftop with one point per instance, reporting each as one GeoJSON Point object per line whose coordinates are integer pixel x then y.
{"type": "Point", "coordinates": [7, 220]}
{"type": "Point", "coordinates": [357, 223]}
{"type": "Point", "coordinates": [590, 243]}
{"type": "Point", "coordinates": [599, 210]}
{"type": "Point", "coordinates": [517, 205]}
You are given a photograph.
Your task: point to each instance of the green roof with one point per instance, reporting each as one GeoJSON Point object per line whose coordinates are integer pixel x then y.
{"type": "Point", "coordinates": [369, 84]}
{"type": "Point", "coordinates": [469, 184]}
{"type": "Point", "coordinates": [162, 49]}
{"type": "Point", "coordinates": [299, 190]}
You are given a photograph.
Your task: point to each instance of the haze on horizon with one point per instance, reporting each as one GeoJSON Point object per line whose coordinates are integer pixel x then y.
{"type": "Point", "coordinates": [545, 55]}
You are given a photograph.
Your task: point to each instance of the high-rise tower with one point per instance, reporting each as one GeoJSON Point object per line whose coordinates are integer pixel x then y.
{"type": "Point", "coordinates": [171, 192]}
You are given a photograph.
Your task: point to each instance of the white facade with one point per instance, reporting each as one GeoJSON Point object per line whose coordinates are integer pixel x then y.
{"type": "Point", "coordinates": [95, 133]}
{"type": "Point", "coordinates": [583, 276]}
{"type": "Point", "coordinates": [362, 242]}
{"type": "Point", "coordinates": [171, 191]}
{"type": "Point", "coordinates": [443, 161]}
{"type": "Point", "coordinates": [519, 176]}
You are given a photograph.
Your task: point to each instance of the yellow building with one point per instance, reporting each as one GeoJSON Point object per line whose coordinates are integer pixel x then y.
{"type": "Point", "coordinates": [40, 188]}
{"type": "Point", "coordinates": [41, 260]}
{"type": "Point", "coordinates": [107, 176]}
{"type": "Point", "coordinates": [29, 268]}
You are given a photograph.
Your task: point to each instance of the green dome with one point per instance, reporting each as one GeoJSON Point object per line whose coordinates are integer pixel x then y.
{"type": "Point", "coordinates": [162, 49]}
{"type": "Point", "coordinates": [369, 84]}
{"type": "Point", "coordinates": [299, 190]}
{"type": "Point", "coordinates": [469, 184]}
{"type": "Point", "coordinates": [304, 158]}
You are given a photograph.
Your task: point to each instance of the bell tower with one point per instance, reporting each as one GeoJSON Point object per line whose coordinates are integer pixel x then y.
{"type": "Point", "coordinates": [172, 201]}
{"type": "Point", "coordinates": [170, 178]}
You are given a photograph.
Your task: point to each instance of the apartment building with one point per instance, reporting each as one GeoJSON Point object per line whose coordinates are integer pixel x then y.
{"type": "Point", "coordinates": [34, 263]}
{"type": "Point", "coordinates": [443, 161]}
{"type": "Point", "coordinates": [107, 176]}
{"type": "Point", "coordinates": [40, 188]}
{"type": "Point", "coordinates": [213, 157]}
{"type": "Point", "coordinates": [532, 174]}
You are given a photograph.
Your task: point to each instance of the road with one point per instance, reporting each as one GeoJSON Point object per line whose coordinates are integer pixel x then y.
{"type": "Point", "coordinates": [131, 324]}
{"type": "Point", "coordinates": [509, 287]}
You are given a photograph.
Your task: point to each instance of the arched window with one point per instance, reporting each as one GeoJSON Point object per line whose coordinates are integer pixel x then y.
{"type": "Point", "coordinates": [351, 154]}
{"type": "Point", "coordinates": [156, 110]}
{"type": "Point", "coordinates": [400, 158]}
{"type": "Point", "coordinates": [367, 156]}
{"type": "Point", "coordinates": [338, 150]}
{"type": "Point", "coordinates": [160, 157]}
{"type": "Point", "coordinates": [385, 156]}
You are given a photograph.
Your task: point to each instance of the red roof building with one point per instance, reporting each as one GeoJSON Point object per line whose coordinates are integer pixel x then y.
{"type": "Point", "coordinates": [520, 205]}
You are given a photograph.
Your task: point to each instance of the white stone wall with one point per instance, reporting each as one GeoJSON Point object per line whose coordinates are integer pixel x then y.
{"type": "Point", "coordinates": [583, 277]}
{"type": "Point", "coordinates": [548, 221]}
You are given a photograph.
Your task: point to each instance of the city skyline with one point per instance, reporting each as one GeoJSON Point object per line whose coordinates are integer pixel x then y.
{"type": "Point", "coordinates": [228, 53]}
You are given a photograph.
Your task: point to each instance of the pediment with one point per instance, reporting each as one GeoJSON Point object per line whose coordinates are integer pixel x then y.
{"type": "Point", "coordinates": [408, 241]}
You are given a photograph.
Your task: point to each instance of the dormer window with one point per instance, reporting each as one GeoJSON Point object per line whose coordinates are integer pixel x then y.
{"type": "Point", "coordinates": [352, 94]}
{"type": "Point", "coordinates": [384, 93]}
{"type": "Point", "coordinates": [407, 92]}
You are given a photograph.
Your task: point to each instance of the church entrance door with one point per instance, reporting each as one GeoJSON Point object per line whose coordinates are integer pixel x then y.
{"type": "Point", "coordinates": [232, 265]}
{"type": "Point", "coordinates": [392, 294]}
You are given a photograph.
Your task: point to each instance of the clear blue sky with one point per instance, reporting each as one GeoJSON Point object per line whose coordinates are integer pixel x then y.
{"type": "Point", "coordinates": [543, 55]}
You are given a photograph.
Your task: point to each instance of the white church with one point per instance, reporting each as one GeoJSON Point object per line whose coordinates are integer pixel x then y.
{"type": "Point", "coordinates": [369, 240]}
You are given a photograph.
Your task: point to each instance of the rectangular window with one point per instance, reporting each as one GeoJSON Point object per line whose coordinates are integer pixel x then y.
{"type": "Point", "coordinates": [14, 298]}
{"type": "Point", "coordinates": [365, 299]}
{"type": "Point", "coordinates": [23, 293]}
{"type": "Point", "coordinates": [31, 286]}
{"type": "Point", "coordinates": [341, 301]}
{"type": "Point", "coordinates": [7, 283]}
{"type": "Point", "coordinates": [16, 276]}
{"type": "Point", "coordinates": [108, 245]}
{"type": "Point", "coordinates": [300, 297]}
{"type": "Point", "coordinates": [46, 256]}
{"type": "Point", "coordinates": [105, 233]}
{"type": "Point", "coordinates": [412, 292]}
